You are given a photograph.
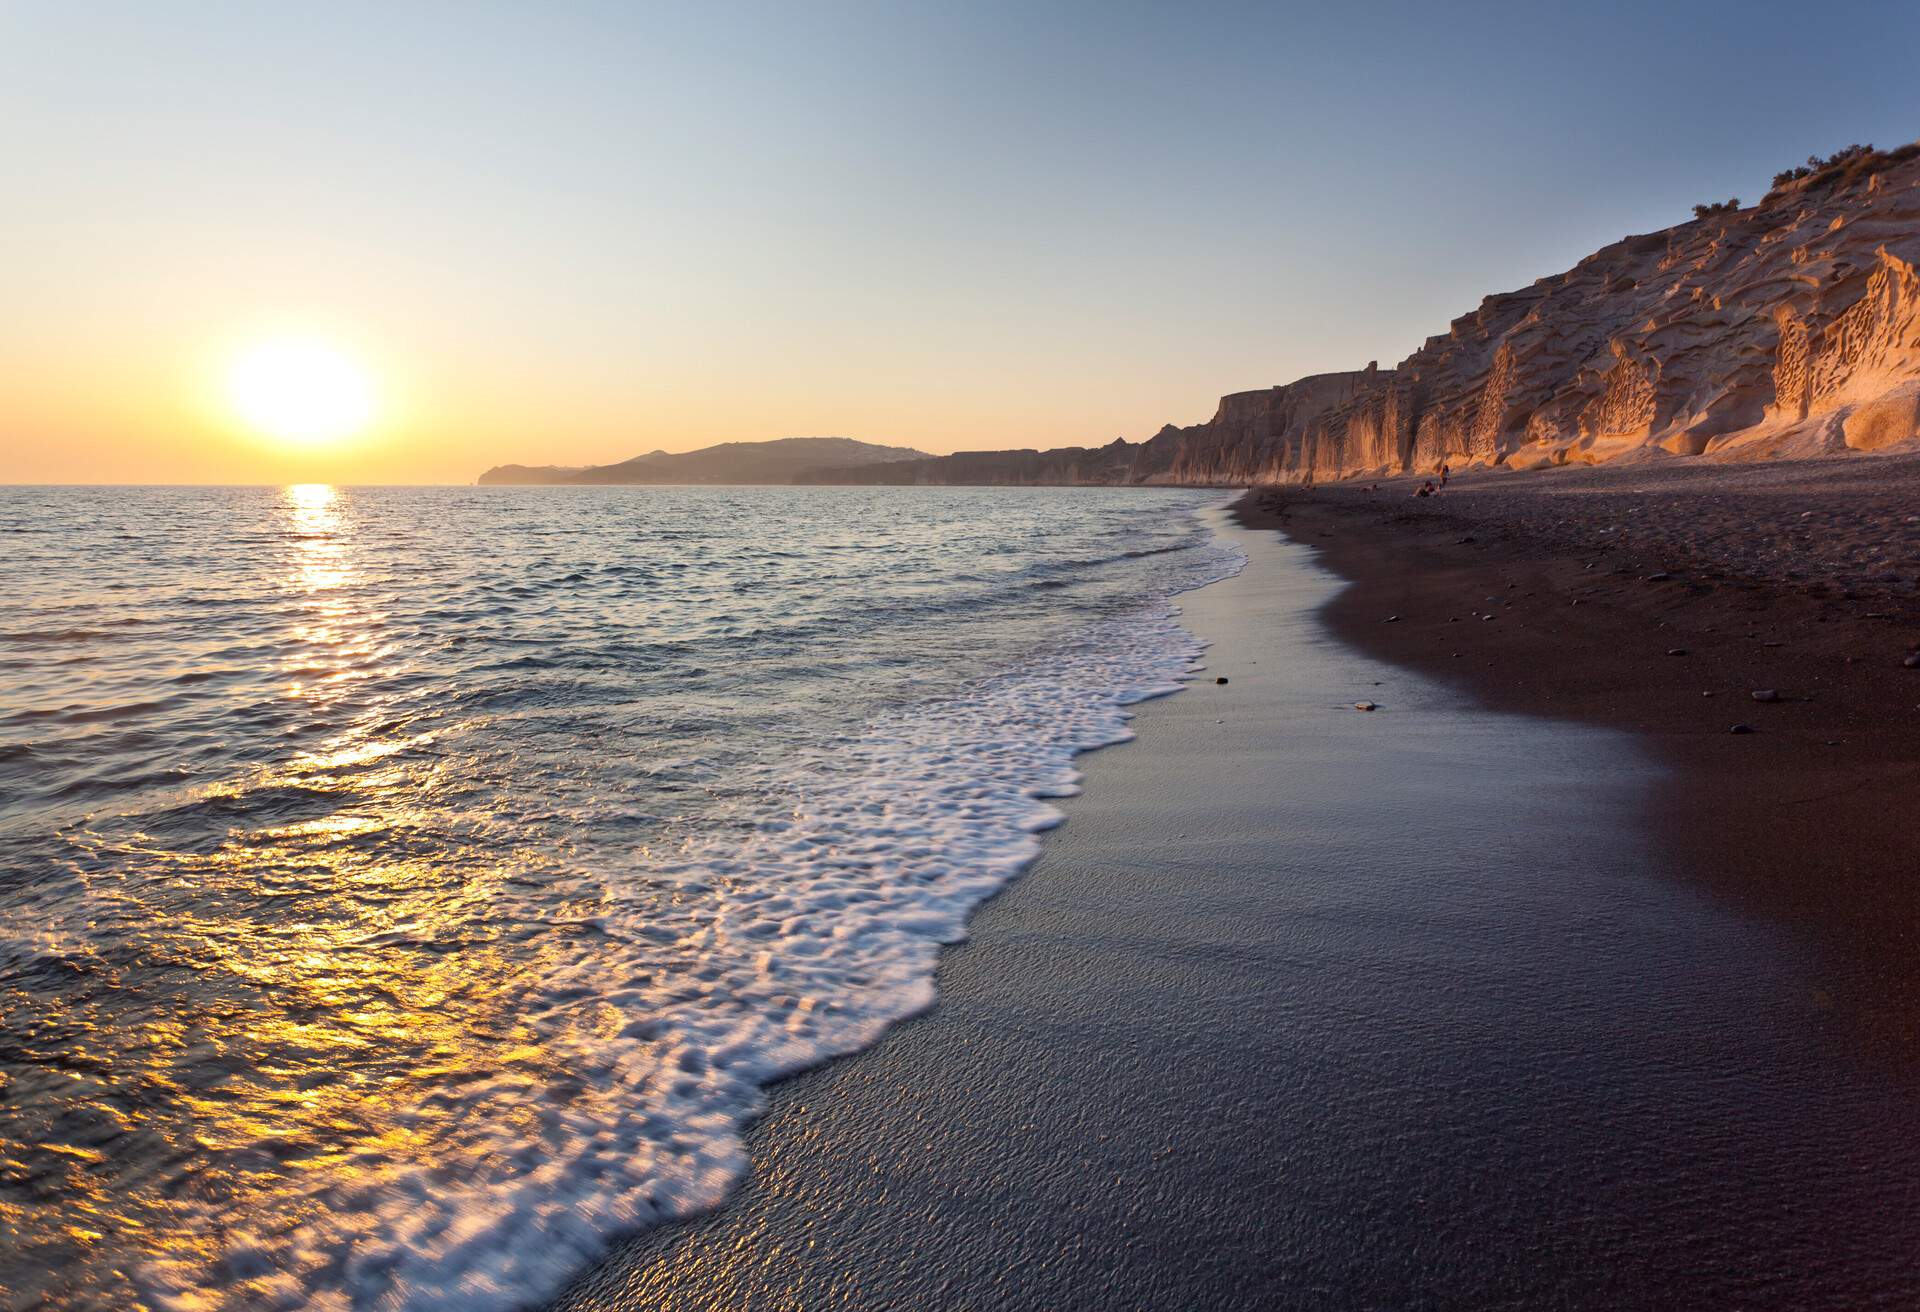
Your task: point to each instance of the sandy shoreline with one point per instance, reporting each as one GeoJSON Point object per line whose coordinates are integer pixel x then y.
{"type": "Point", "coordinates": [1799, 580]}
{"type": "Point", "coordinates": [1309, 1007]}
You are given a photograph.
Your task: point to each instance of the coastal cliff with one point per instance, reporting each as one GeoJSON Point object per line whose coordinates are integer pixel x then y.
{"type": "Point", "coordinates": [1789, 328]}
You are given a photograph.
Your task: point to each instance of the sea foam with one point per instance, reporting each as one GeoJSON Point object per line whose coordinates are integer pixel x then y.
{"type": "Point", "coordinates": [475, 1047]}
{"type": "Point", "coordinates": [802, 941]}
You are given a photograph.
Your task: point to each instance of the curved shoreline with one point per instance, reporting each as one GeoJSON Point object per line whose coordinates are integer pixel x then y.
{"type": "Point", "coordinates": [1654, 602]}
{"type": "Point", "coordinates": [1304, 1006]}
{"type": "Point", "coordinates": [998, 812]}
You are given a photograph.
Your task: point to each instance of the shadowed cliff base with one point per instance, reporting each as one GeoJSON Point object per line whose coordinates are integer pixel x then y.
{"type": "Point", "coordinates": [1678, 603]}
{"type": "Point", "coordinates": [1786, 329]}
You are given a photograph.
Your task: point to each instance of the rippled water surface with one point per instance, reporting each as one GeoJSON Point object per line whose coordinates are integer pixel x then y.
{"type": "Point", "coordinates": [404, 890]}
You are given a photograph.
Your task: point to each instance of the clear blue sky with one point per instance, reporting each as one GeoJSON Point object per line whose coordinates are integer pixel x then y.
{"type": "Point", "coordinates": [577, 232]}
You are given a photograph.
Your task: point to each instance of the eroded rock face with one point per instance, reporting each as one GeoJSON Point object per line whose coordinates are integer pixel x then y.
{"type": "Point", "coordinates": [1788, 329]}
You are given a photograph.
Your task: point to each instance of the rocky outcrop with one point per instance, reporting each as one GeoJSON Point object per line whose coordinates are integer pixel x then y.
{"type": "Point", "coordinates": [1790, 328]}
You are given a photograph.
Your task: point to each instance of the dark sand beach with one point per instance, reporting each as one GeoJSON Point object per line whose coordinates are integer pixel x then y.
{"type": "Point", "coordinates": [1442, 1005]}
{"type": "Point", "coordinates": [1658, 600]}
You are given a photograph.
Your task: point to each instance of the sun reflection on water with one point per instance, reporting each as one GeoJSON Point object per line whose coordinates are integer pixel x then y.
{"type": "Point", "coordinates": [326, 988]}
{"type": "Point", "coordinates": [329, 638]}
{"type": "Point", "coordinates": [441, 878]}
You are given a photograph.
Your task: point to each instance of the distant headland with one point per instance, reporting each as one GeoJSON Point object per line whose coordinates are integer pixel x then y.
{"type": "Point", "coordinates": [783, 460]}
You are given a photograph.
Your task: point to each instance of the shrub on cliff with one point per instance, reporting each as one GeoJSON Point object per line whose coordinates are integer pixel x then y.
{"type": "Point", "coordinates": [1843, 166]}
{"type": "Point", "coordinates": [1724, 207]}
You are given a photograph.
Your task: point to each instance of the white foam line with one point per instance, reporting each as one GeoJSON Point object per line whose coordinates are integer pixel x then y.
{"type": "Point", "coordinates": [802, 943]}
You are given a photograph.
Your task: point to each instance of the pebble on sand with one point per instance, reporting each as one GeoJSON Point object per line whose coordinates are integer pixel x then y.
{"type": "Point", "coordinates": [1221, 679]}
{"type": "Point", "coordinates": [1743, 728]}
{"type": "Point", "coordinates": [1676, 651]}
{"type": "Point", "coordinates": [1365, 706]}
{"type": "Point", "coordinates": [1765, 695]}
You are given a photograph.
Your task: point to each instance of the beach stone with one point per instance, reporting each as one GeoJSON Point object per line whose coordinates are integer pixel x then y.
{"type": "Point", "coordinates": [1393, 619]}
{"type": "Point", "coordinates": [1765, 695]}
{"type": "Point", "coordinates": [1221, 679]}
{"type": "Point", "coordinates": [1365, 706]}
{"type": "Point", "coordinates": [1661, 577]}
{"type": "Point", "coordinates": [1742, 728]}
{"type": "Point", "coordinates": [1912, 662]}
{"type": "Point", "coordinates": [1676, 651]}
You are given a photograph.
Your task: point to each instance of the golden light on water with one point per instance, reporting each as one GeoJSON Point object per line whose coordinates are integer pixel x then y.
{"type": "Point", "coordinates": [334, 1006]}
{"type": "Point", "coordinates": [300, 390]}
{"type": "Point", "coordinates": [321, 565]}
{"type": "Point", "coordinates": [313, 517]}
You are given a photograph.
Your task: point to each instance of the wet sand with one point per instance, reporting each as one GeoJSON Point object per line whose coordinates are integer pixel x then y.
{"type": "Point", "coordinates": [1310, 1007]}
{"type": "Point", "coordinates": [1658, 600]}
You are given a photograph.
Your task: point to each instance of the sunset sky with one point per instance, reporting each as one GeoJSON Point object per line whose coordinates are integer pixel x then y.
{"type": "Point", "coordinates": [572, 233]}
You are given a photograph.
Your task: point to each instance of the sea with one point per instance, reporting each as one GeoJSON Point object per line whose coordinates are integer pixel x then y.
{"type": "Point", "coordinates": [404, 892]}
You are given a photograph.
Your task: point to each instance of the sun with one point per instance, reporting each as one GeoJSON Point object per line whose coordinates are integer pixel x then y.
{"type": "Point", "coordinates": [298, 389]}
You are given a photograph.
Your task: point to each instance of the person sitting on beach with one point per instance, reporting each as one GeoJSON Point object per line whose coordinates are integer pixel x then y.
{"type": "Point", "coordinates": [1427, 489]}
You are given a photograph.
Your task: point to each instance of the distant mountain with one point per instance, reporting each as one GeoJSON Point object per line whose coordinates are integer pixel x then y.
{"type": "Point", "coordinates": [785, 460]}
{"type": "Point", "coordinates": [1119, 462]}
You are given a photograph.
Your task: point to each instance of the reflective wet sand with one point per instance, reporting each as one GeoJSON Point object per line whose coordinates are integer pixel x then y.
{"type": "Point", "coordinates": [1312, 1007]}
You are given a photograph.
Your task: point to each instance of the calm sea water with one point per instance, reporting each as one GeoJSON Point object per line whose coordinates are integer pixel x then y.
{"type": "Point", "coordinates": [402, 891]}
